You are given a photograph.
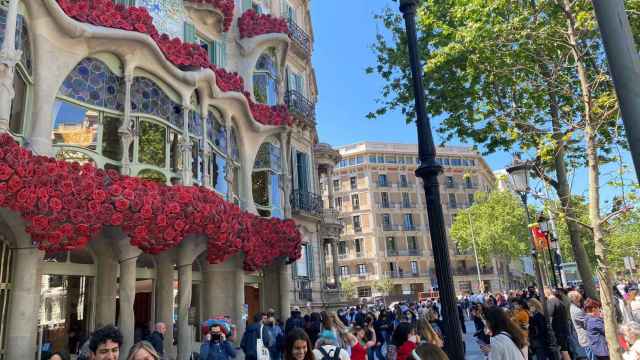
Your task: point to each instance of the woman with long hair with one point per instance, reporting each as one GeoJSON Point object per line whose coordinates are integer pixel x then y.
{"type": "Point", "coordinates": [143, 351]}
{"type": "Point", "coordinates": [538, 333]}
{"type": "Point", "coordinates": [508, 341]}
{"type": "Point", "coordinates": [404, 341]}
{"type": "Point", "coordinates": [427, 334]}
{"type": "Point", "coordinates": [298, 346]}
{"type": "Point", "coordinates": [427, 351]}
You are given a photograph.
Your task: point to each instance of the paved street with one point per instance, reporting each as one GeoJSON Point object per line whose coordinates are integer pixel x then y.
{"type": "Point", "coordinates": [473, 350]}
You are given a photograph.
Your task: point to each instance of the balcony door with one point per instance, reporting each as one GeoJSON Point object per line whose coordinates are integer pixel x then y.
{"type": "Point", "coordinates": [302, 172]}
{"type": "Point", "coordinates": [295, 82]}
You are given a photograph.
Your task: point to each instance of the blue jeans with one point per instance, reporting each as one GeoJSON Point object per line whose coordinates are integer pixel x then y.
{"type": "Point", "coordinates": [590, 354]}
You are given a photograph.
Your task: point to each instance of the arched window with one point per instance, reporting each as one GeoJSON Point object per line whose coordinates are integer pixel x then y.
{"type": "Point", "coordinates": [266, 183]}
{"type": "Point", "coordinates": [22, 81]}
{"type": "Point", "coordinates": [265, 79]}
{"type": "Point", "coordinates": [223, 165]}
{"type": "Point", "coordinates": [88, 114]}
{"type": "Point", "coordinates": [196, 130]}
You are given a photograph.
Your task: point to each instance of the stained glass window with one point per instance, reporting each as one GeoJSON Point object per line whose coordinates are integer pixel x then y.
{"type": "Point", "coordinates": [195, 124]}
{"type": "Point", "coordinates": [93, 83]}
{"type": "Point", "coordinates": [148, 98]}
{"type": "Point", "coordinates": [216, 132]}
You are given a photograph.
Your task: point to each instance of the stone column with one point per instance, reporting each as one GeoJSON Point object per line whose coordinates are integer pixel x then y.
{"type": "Point", "coordinates": [186, 146]}
{"type": "Point", "coordinates": [285, 292]}
{"type": "Point", "coordinates": [106, 277]}
{"type": "Point", "coordinates": [270, 288]}
{"type": "Point", "coordinates": [164, 298]}
{"type": "Point", "coordinates": [330, 187]}
{"type": "Point", "coordinates": [126, 136]}
{"type": "Point", "coordinates": [22, 330]}
{"type": "Point", "coordinates": [224, 291]}
{"type": "Point", "coordinates": [185, 283]}
{"type": "Point", "coordinates": [127, 257]}
{"type": "Point", "coordinates": [336, 268]}
{"type": "Point", "coordinates": [9, 56]}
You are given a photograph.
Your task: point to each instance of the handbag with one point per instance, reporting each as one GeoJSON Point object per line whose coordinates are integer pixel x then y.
{"type": "Point", "coordinates": [261, 350]}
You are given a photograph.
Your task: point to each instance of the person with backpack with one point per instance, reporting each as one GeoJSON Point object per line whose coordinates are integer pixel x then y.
{"type": "Point", "coordinates": [326, 348]}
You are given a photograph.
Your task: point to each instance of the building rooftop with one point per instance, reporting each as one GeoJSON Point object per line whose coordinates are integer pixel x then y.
{"type": "Point", "coordinates": [378, 146]}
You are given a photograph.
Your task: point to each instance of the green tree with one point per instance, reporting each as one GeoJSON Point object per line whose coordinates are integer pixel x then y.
{"type": "Point", "coordinates": [384, 287]}
{"type": "Point", "coordinates": [518, 74]}
{"type": "Point", "coordinates": [348, 288]}
{"type": "Point", "coordinates": [496, 222]}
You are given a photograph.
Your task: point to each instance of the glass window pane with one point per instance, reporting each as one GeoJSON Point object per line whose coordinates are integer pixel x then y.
{"type": "Point", "coordinates": [111, 144]}
{"type": "Point", "coordinates": [16, 117]}
{"type": "Point", "coordinates": [260, 88]}
{"type": "Point", "coordinates": [276, 193]}
{"type": "Point", "coordinates": [175, 155]}
{"type": "Point", "coordinates": [260, 186]}
{"type": "Point", "coordinates": [152, 143]}
{"type": "Point", "coordinates": [221, 183]}
{"type": "Point", "coordinates": [152, 175]}
{"type": "Point", "coordinates": [74, 125]}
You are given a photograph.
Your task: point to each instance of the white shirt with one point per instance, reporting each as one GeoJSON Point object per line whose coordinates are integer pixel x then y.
{"type": "Point", "coordinates": [633, 353]}
{"type": "Point", "coordinates": [503, 348]}
{"type": "Point", "coordinates": [330, 349]}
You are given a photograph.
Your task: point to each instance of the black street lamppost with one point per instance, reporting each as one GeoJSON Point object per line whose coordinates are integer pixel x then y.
{"type": "Point", "coordinates": [519, 179]}
{"type": "Point", "coordinates": [428, 171]}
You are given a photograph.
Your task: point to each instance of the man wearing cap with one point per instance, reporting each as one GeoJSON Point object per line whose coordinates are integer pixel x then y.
{"type": "Point", "coordinates": [295, 321]}
{"type": "Point", "coordinates": [327, 348]}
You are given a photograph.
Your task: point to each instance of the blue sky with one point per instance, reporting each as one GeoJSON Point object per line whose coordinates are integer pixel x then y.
{"type": "Point", "coordinates": [344, 31]}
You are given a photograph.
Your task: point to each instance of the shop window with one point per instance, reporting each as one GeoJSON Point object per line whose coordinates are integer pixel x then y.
{"type": "Point", "coordinates": [265, 80]}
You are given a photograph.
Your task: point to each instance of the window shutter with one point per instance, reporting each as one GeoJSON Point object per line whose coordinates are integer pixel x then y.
{"type": "Point", "coordinates": [246, 5]}
{"type": "Point", "coordinates": [213, 52]}
{"type": "Point", "coordinates": [189, 33]}
{"type": "Point", "coordinates": [310, 261]}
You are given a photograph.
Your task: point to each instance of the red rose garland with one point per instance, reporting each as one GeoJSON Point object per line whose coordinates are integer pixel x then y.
{"type": "Point", "coordinates": [65, 204]}
{"type": "Point", "coordinates": [186, 56]}
{"type": "Point", "coordinates": [253, 24]}
{"type": "Point", "coordinates": [225, 6]}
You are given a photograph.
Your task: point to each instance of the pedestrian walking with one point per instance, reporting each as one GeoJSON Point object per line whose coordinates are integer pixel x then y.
{"type": "Point", "coordinates": [105, 343]}
{"type": "Point", "coordinates": [216, 346]}
{"type": "Point", "coordinates": [427, 351]}
{"type": "Point", "coordinates": [631, 332]}
{"type": "Point", "coordinates": [157, 338]}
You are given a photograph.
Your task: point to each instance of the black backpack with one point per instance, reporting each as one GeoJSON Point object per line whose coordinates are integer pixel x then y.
{"type": "Point", "coordinates": [325, 354]}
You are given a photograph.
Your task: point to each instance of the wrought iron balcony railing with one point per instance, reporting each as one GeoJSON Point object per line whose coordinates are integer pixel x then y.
{"type": "Point", "coordinates": [307, 202]}
{"type": "Point", "coordinates": [299, 105]}
{"type": "Point", "coordinates": [300, 38]}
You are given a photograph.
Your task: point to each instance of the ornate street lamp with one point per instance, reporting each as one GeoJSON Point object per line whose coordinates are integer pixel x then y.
{"type": "Point", "coordinates": [428, 171]}
{"type": "Point", "coordinates": [519, 180]}
{"type": "Point", "coordinates": [543, 222]}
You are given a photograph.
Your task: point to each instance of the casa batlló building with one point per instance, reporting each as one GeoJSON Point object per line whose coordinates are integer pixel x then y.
{"type": "Point", "coordinates": [158, 162]}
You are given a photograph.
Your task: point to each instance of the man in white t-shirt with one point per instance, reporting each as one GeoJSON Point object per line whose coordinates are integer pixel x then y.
{"type": "Point", "coordinates": [327, 349]}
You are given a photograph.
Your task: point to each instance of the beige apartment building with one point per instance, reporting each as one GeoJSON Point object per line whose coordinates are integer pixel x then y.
{"type": "Point", "coordinates": [382, 205]}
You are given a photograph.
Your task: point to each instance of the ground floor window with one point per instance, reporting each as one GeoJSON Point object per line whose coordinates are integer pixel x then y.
{"type": "Point", "coordinates": [364, 291]}
{"type": "Point", "coordinates": [465, 287]}
{"type": "Point", "coordinates": [66, 312]}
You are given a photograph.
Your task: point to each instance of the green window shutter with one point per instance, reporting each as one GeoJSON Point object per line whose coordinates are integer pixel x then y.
{"type": "Point", "coordinates": [189, 33]}
{"type": "Point", "coordinates": [126, 2]}
{"type": "Point", "coordinates": [213, 52]}
{"type": "Point", "coordinates": [246, 5]}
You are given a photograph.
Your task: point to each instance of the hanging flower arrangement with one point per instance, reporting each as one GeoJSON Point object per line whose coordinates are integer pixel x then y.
{"type": "Point", "coordinates": [224, 6]}
{"type": "Point", "coordinates": [253, 24]}
{"type": "Point", "coordinates": [185, 56]}
{"type": "Point", "coordinates": [65, 204]}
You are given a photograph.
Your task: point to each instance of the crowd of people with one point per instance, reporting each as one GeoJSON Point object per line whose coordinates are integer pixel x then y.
{"type": "Point", "coordinates": [508, 326]}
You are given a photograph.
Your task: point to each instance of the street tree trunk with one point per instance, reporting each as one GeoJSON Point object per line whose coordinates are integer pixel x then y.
{"type": "Point", "coordinates": [564, 194]}
{"type": "Point", "coordinates": [604, 273]}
